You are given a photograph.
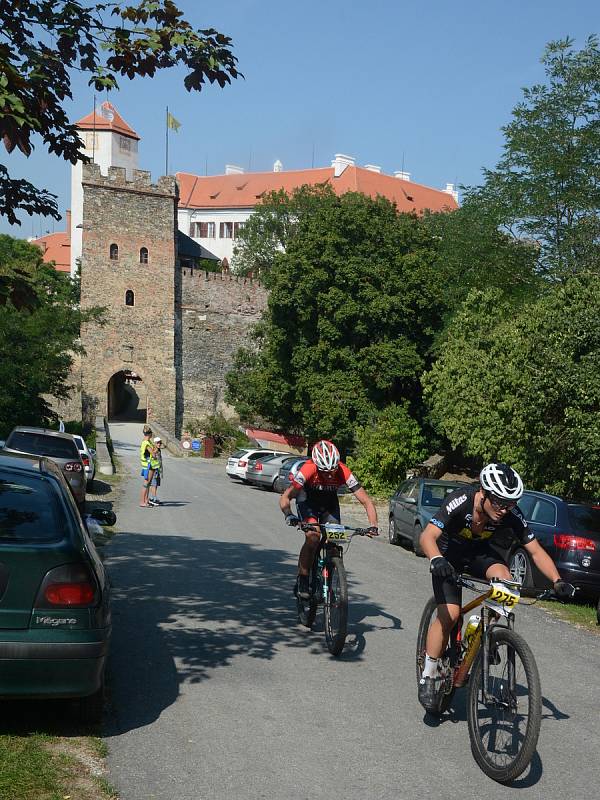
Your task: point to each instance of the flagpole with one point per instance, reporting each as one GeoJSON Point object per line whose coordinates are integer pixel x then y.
{"type": "Point", "coordinates": [94, 133]}
{"type": "Point", "coordinates": [167, 142]}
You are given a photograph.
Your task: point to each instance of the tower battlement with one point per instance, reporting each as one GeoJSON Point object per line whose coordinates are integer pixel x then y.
{"type": "Point", "coordinates": [141, 182]}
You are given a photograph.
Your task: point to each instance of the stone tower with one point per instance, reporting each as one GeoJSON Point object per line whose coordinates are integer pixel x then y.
{"type": "Point", "coordinates": [129, 253]}
{"type": "Point", "coordinates": [108, 141]}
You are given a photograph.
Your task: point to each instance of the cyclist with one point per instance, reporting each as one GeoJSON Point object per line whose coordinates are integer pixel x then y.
{"type": "Point", "coordinates": [458, 539]}
{"type": "Point", "coordinates": [315, 488]}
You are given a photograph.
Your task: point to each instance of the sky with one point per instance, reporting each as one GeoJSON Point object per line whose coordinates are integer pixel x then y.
{"type": "Point", "coordinates": [424, 87]}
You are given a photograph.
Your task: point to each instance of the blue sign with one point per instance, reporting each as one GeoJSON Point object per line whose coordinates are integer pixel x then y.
{"type": "Point", "coordinates": [195, 444]}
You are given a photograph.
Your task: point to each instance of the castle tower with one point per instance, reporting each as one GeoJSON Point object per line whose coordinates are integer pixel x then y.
{"type": "Point", "coordinates": [128, 258]}
{"type": "Point", "coordinates": [109, 142]}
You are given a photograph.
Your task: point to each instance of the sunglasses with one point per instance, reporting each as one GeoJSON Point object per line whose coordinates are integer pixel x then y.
{"type": "Point", "coordinates": [500, 503]}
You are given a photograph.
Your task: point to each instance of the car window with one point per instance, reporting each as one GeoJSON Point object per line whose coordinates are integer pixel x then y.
{"type": "Point", "coordinates": [288, 462]}
{"type": "Point", "coordinates": [30, 510]}
{"type": "Point", "coordinates": [400, 490]}
{"type": "Point", "coordinates": [42, 445]}
{"type": "Point", "coordinates": [434, 493]}
{"type": "Point", "coordinates": [238, 453]}
{"type": "Point", "coordinates": [79, 442]}
{"type": "Point", "coordinates": [411, 490]}
{"type": "Point", "coordinates": [526, 504]}
{"type": "Point", "coordinates": [584, 519]}
{"type": "Point", "coordinates": [268, 458]}
{"type": "Point", "coordinates": [544, 512]}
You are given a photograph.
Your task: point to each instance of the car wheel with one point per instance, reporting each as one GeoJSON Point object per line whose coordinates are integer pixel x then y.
{"type": "Point", "coordinates": [392, 533]}
{"type": "Point", "coordinates": [416, 541]}
{"type": "Point", "coordinates": [520, 568]}
{"type": "Point", "coordinates": [277, 486]}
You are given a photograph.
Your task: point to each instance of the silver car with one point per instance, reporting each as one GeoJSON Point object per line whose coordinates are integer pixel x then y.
{"type": "Point", "coordinates": [264, 472]}
{"type": "Point", "coordinates": [87, 456]}
{"type": "Point", "coordinates": [59, 447]}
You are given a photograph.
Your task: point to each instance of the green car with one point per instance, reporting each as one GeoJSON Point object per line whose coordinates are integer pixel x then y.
{"type": "Point", "coordinates": [55, 621]}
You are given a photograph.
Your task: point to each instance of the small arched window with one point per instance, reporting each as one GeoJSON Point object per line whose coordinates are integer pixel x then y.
{"type": "Point", "coordinates": [114, 252]}
{"type": "Point", "coordinates": [129, 298]}
{"type": "Point", "coordinates": [143, 255]}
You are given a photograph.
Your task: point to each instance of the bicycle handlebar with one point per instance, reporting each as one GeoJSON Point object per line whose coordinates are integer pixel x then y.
{"type": "Point", "coordinates": [307, 526]}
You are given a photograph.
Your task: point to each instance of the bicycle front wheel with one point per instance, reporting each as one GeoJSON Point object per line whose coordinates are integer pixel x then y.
{"type": "Point", "coordinates": [504, 720]}
{"type": "Point", "coordinates": [336, 607]}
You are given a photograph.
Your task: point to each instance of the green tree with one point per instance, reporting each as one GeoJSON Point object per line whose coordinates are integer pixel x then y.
{"type": "Point", "coordinates": [354, 303]}
{"type": "Point", "coordinates": [385, 448]}
{"type": "Point", "coordinates": [546, 186]}
{"type": "Point", "coordinates": [524, 387]}
{"type": "Point", "coordinates": [43, 41]}
{"type": "Point", "coordinates": [39, 330]}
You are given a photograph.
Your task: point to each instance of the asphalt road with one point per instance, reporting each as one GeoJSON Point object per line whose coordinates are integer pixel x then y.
{"type": "Point", "coordinates": [217, 693]}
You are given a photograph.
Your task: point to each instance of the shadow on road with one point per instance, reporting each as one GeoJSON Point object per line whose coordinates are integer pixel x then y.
{"type": "Point", "coordinates": [184, 607]}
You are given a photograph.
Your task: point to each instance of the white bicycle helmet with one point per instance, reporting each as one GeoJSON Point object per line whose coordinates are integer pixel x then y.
{"type": "Point", "coordinates": [325, 455]}
{"type": "Point", "coordinates": [501, 481]}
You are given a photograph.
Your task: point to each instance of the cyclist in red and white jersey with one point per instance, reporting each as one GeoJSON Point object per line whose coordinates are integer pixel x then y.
{"type": "Point", "coordinates": [315, 487]}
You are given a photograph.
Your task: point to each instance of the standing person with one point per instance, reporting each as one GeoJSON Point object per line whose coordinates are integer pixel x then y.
{"type": "Point", "coordinates": [145, 462]}
{"type": "Point", "coordinates": [315, 488]}
{"type": "Point", "coordinates": [157, 462]}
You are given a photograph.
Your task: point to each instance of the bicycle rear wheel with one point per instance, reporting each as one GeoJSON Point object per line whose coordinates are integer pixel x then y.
{"type": "Point", "coordinates": [428, 616]}
{"type": "Point", "coordinates": [336, 607]}
{"type": "Point", "coordinates": [504, 727]}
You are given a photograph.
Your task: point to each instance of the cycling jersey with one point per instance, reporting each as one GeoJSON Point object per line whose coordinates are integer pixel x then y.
{"type": "Point", "coordinates": [455, 516]}
{"type": "Point", "coordinates": [309, 479]}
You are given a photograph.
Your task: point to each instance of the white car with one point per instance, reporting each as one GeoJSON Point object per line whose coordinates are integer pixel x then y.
{"type": "Point", "coordinates": [238, 469]}
{"type": "Point", "coordinates": [87, 456]}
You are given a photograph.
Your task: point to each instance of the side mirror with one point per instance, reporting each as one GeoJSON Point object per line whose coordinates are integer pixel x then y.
{"type": "Point", "coordinates": [411, 500]}
{"type": "Point", "coordinates": [92, 452]}
{"type": "Point", "coordinates": [104, 517]}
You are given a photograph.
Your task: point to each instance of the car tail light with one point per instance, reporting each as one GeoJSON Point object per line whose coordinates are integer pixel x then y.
{"type": "Point", "coordinates": [258, 467]}
{"type": "Point", "coordinates": [68, 586]}
{"type": "Point", "coordinates": [73, 466]}
{"type": "Point", "coordinates": [565, 541]}
{"type": "Point", "coordinates": [86, 461]}
{"type": "Point", "coordinates": [242, 463]}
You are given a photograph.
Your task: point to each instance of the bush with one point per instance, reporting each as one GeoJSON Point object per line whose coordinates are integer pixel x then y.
{"type": "Point", "coordinates": [227, 436]}
{"type": "Point", "coordinates": [386, 448]}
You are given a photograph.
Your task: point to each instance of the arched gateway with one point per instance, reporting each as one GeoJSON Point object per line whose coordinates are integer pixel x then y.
{"type": "Point", "coordinates": [127, 397]}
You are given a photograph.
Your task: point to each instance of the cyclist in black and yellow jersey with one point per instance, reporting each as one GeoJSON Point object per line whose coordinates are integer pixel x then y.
{"type": "Point", "coordinates": [457, 539]}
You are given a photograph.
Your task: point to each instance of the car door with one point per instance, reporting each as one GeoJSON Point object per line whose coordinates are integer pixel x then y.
{"type": "Point", "coordinates": [406, 507]}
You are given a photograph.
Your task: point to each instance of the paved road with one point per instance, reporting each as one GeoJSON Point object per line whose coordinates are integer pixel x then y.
{"type": "Point", "coordinates": [217, 693]}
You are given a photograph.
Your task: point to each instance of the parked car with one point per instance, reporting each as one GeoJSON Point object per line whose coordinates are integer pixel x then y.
{"type": "Point", "coordinates": [286, 471]}
{"type": "Point", "coordinates": [413, 504]}
{"type": "Point", "coordinates": [55, 620]}
{"type": "Point", "coordinates": [87, 456]}
{"type": "Point", "coordinates": [232, 461]}
{"type": "Point", "coordinates": [60, 447]}
{"type": "Point", "coordinates": [264, 472]}
{"type": "Point", "coordinates": [570, 534]}
{"type": "Point", "coordinates": [249, 457]}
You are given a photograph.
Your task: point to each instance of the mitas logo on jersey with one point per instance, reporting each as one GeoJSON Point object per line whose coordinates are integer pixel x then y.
{"type": "Point", "coordinates": [456, 502]}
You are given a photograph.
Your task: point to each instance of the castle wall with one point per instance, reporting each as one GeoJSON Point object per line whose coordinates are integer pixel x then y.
{"type": "Point", "coordinates": [217, 312]}
{"type": "Point", "coordinates": [140, 338]}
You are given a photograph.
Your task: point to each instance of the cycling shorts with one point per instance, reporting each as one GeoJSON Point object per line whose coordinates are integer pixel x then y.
{"type": "Point", "coordinates": [319, 509]}
{"type": "Point", "coordinates": [474, 561]}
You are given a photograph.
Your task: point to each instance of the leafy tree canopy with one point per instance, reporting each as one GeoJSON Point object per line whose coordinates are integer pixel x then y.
{"type": "Point", "coordinates": [43, 41]}
{"type": "Point", "coordinates": [353, 307]}
{"type": "Point", "coordinates": [546, 187]}
{"type": "Point", "coordinates": [524, 387]}
{"type": "Point", "coordinates": [39, 330]}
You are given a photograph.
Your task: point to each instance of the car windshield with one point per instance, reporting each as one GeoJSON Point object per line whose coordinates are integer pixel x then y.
{"type": "Point", "coordinates": [434, 493]}
{"type": "Point", "coordinates": [30, 510]}
{"type": "Point", "coordinates": [267, 458]}
{"type": "Point", "coordinates": [79, 442]}
{"type": "Point", "coordinates": [238, 454]}
{"type": "Point", "coordinates": [584, 519]}
{"type": "Point", "coordinates": [41, 444]}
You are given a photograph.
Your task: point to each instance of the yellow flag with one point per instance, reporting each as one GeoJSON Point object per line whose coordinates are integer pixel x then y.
{"type": "Point", "coordinates": [172, 122]}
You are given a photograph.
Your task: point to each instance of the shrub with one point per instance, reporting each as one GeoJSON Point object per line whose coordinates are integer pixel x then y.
{"type": "Point", "coordinates": [227, 436]}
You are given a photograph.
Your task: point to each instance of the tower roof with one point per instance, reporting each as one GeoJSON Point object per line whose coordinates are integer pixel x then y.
{"type": "Point", "coordinates": [107, 119]}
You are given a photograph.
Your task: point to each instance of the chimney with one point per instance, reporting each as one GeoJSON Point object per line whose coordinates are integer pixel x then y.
{"type": "Point", "coordinates": [278, 166]}
{"type": "Point", "coordinates": [373, 168]}
{"type": "Point", "coordinates": [68, 216]}
{"type": "Point", "coordinates": [451, 190]}
{"type": "Point", "coordinates": [340, 162]}
{"type": "Point", "coordinates": [402, 175]}
{"type": "Point", "coordinates": [231, 169]}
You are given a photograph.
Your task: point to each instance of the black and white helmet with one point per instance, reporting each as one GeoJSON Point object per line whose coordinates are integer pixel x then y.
{"type": "Point", "coordinates": [501, 481]}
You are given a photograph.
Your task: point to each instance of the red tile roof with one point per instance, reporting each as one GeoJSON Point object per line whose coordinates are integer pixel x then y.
{"type": "Point", "coordinates": [107, 119]}
{"type": "Point", "coordinates": [247, 189]}
{"type": "Point", "coordinates": [56, 247]}
{"type": "Point", "coordinates": [278, 438]}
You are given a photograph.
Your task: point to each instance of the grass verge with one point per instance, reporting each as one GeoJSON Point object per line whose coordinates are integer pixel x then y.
{"type": "Point", "coordinates": [581, 614]}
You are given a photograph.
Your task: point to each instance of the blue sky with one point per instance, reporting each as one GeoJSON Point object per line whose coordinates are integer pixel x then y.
{"type": "Point", "coordinates": [390, 82]}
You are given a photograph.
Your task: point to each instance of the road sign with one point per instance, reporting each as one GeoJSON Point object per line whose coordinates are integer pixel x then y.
{"type": "Point", "coordinates": [195, 444]}
{"type": "Point", "coordinates": [185, 445]}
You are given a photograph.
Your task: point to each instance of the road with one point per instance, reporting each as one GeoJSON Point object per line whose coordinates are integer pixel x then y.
{"type": "Point", "coordinates": [216, 692]}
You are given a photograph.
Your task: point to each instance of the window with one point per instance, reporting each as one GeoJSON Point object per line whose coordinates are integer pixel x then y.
{"type": "Point", "coordinates": [129, 298]}
{"type": "Point", "coordinates": [143, 255]}
{"type": "Point", "coordinates": [41, 444]}
{"type": "Point", "coordinates": [203, 230]}
{"type": "Point", "coordinates": [91, 141]}
{"type": "Point", "coordinates": [29, 508]}
{"type": "Point", "coordinates": [226, 230]}
{"type": "Point", "coordinates": [114, 252]}
{"type": "Point", "coordinates": [237, 227]}
{"type": "Point", "coordinates": [544, 513]}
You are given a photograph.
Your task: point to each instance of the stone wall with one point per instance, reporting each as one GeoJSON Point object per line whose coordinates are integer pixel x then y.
{"type": "Point", "coordinates": [141, 338]}
{"type": "Point", "coordinates": [217, 312]}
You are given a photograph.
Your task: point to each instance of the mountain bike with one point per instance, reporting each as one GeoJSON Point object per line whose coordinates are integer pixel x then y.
{"type": "Point", "coordinates": [504, 702]}
{"type": "Point", "coordinates": [328, 584]}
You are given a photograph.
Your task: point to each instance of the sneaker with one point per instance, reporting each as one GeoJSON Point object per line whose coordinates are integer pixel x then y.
{"type": "Point", "coordinates": [302, 587]}
{"type": "Point", "coordinates": [153, 503]}
{"type": "Point", "coordinates": [429, 694]}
